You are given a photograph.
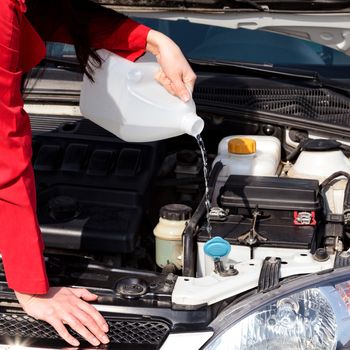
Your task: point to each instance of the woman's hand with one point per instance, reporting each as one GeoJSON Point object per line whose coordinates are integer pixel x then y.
{"type": "Point", "coordinates": [67, 306]}
{"type": "Point", "coordinates": [175, 74]}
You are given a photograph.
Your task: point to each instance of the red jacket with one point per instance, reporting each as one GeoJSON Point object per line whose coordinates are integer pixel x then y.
{"type": "Point", "coordinates": [21, 48]}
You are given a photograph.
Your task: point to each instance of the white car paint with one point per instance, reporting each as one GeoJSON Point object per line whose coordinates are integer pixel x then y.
{"type": "Point", "coordinates": [329, 29]}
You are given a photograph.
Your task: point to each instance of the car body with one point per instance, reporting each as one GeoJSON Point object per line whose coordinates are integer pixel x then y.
{"type": "Point", "coordinates": [270, 72]}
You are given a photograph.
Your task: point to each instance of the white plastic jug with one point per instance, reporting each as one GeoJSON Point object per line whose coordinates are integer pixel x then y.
{"type": "Point", "coordinates": [126, 100]}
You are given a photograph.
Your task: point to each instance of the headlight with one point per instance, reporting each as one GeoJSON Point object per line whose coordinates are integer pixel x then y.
{"type": "Point", "coordinates": [310, 313]}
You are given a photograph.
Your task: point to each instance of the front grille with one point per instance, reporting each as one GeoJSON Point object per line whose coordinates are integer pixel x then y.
{"type": "Point", "coordinates": [318, 104]}
{"type": "Point", "coordinates": [122, 330]}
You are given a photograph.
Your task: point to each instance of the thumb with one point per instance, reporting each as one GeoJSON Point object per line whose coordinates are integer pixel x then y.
{"type": "Point", "coordinates": [84, 294]}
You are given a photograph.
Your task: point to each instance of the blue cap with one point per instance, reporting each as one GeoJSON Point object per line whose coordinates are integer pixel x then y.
{"type": "Point", "coordinates": [217, 248]}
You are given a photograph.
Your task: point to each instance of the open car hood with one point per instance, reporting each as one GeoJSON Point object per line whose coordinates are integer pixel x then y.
{"type": "Point", "coordinates": [234, 5]}
{"type": "Point", "coordinates": [324, 22]}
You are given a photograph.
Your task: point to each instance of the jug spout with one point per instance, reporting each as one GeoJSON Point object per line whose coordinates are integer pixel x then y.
{"type": "Point", "coordinates": [192, 124]}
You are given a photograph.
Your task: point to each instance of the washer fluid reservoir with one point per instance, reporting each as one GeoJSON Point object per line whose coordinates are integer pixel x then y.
{"type": "Point", "coordinates": [319, 159]}
{"type": "Point", "coordinates": [126, 100]}
{"type": "Point", "coordinates": [247, 155]}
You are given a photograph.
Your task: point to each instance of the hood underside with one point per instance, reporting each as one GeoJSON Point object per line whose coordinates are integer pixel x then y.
{"type": "Point", "coordinates": [234, 5]}
{"type": "Point", "coordinates": [293, 18]}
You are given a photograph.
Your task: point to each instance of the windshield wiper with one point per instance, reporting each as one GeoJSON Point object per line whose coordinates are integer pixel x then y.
{"type": "Point", "coordinates": [253, 4]}
{"type": "Point", "coordinates": [268, 71]}
{"type": "Point", "coordinates": [71, 65]}
{"type": "Point", "coordinates": [265, 71]}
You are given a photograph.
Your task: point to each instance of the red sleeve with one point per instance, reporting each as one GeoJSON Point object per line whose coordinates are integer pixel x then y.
{"type": "Point", "coordinates": [124, 37]}
{"type": "Point", "coordinates": [21, 244]}
{"type": "Point", "coordinates": [128, 39]}
{"type": "Point", "coordinates": [106, 29]}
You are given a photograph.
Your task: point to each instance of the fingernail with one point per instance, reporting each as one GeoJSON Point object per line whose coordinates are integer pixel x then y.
{"type": "Point", "coordinates": [185, 97]}
{"type": "Point", "coordinates": [105, 328]}
{"type": "Point", "coordinates": [105, 339]}
{"type": "Point", "coordinates": [95, 342]}
{"type": "Point", "coordinates": [76, 343]}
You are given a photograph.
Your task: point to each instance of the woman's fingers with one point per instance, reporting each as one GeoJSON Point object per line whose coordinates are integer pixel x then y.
{"type": "Point", "coordinates": [88, 321]}
{"type": "Point", "coordinates": [77, 326]}
{"type": "Point", "coordinates": [183, 81]}
{"type": "Point", "coordinates": [176, 73]}
{"type": "Point", "coordinates": [165, 82]}
{"type": "Point", "coordinates": [178, 83]}
{"type": "Point", "coordinates": [83, 294]}
{"type": "Point", "coordinates": [190, 80]}
{"type": "Point", "coordinates": [84, 318]}
{"type": "Point", "coordinates": [63, 305]}
{"type": "Point", "coordinates": [62, 331]}
{"type": "Point", "coordinates": [90, 310]}
{"type": "Point", "coordinates": [180, 89]}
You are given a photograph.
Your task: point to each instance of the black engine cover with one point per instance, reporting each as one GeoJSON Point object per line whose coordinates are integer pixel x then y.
{"type": "Point", "coordinates": [92, 190]}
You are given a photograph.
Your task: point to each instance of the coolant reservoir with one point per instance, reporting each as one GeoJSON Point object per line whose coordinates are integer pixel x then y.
{"type": "Point", "coordinates": [247, 155]}
{"type": "Point", "coordinates": [168, 233]}
{"type": "Point", "coordinates": [126, 100]}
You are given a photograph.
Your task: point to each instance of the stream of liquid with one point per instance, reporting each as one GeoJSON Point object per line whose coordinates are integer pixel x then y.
{"type": "Point", "coordinates": [206, 177]}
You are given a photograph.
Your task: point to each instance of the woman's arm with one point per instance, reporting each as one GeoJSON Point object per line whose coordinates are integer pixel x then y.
{"type": "Point", "coordinates": [21, 244]}
{"type": "Point", "coordinates": [20, 240]}
{"type": "Point", "coordinates": [113, 31]}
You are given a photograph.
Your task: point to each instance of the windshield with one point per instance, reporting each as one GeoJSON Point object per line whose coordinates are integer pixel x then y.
{"type": "Point", "coordinates": [252, 46]}
{"type": "Point", "coordinates": [206, 42]}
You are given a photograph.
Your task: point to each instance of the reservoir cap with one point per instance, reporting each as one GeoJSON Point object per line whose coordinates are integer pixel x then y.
{"type": "Point", "coordinates": [176, 212]}
{"type": "Point", "coordinates": [242, 145]}
{"type": "Point", "coordinates": [321, 145]}
{"type": "Point", "coordinates": [217, 247]}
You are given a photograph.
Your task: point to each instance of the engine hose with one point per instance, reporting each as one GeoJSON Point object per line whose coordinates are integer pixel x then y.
{"type": "Point", "coordinates": [347, 195]}
{"type": "Point", "coordinates": [330, 178]}
{"type": "Point", "coordinates": [292, 155]}
{"type": "Point", "coordinates": [334, 229]}
{"type": "Point", "coordinates": [345, 149]}
{"type": "Point", "coordinates": [188, 269]}
{"type": "Point", "coordinates": [327, 182]}
{"type": "Point", "coordinates": [347, 207]}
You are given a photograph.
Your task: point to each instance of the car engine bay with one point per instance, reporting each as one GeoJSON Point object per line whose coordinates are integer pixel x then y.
{"type": "Point", "coordinates": [101, 197]}
{"type": "Point", "coordinates": [279, 201]}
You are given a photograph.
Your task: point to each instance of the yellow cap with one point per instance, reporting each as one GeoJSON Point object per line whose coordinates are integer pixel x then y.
{"type": "Point", "coordinates": [242, 145]}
